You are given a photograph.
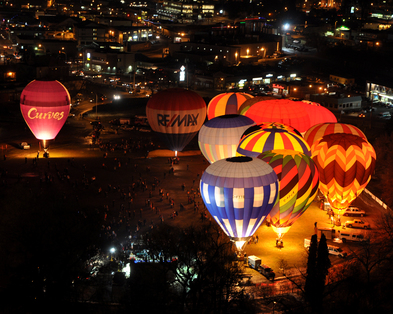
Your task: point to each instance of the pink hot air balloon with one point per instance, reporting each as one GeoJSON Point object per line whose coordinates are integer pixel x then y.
{"type": "Point", "coordinates": [45, 106]}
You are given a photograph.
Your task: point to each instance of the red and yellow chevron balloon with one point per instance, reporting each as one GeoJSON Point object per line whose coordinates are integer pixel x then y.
{"type": "Point", "coordinates": [320, 130]}
{"type": "Point", "coordinates": [298, 186]}
{"type": "Point", "coordinates": [261, 141]}
{"type": "Point", "coordinates": [345, 163]}
{"type": "Point", "coordinates": [226, 103]}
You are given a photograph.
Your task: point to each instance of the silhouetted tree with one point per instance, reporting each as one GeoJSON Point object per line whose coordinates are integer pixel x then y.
{"type": "Point", "coordinates": [203, 277]}
{"type": "Point", "coordinates": [310, 288]}
{"type": "Point", "coordinates": [322, 268]}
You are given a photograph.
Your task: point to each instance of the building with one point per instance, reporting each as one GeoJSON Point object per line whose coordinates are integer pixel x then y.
{"type": "Point", "coordinates": [108, 58]}
{"type": "Point", "coordinates": [338, 102]}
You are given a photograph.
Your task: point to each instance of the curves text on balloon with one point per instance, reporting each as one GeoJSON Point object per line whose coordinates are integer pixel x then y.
{"type": "Point", "coordinates": [34, 114]}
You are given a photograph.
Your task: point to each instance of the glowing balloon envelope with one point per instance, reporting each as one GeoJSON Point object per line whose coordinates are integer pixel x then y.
{"type": "Point", "coordinates": [261, 141]}
{"type": "Point", "coordinates": [249, 102]}
{"type": "Point", "coordinates": [226, 103]}
{"type": "Point", "coordinates": [298, 182]}
{"type": "Point", "coordinates": [268, 126]}
{"type": "Point", "coordinates": [45, 106]}
{"type": "Point", "coordinates": [219, 137]}
{"type": "Point", "coordinates": [345, 164]}
{"type": "Point", "coordinates": [239, 193]}
{"type": "Point", "coordinates": [318, 114]}
{"type": "Point", "coordinates": [177, 115]}
{"type": "Point", "coordinates": [317, 131]}
{"type": "Point", "coordinates": [280, 110]}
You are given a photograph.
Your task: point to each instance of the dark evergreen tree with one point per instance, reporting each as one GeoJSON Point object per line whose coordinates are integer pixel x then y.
{"type": "Point", "coordinates": [322, 268]}
{"type": "Point", "coordinates": [311, 284]}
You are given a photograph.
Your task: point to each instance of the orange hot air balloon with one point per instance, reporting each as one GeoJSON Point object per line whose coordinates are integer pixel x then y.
{"type": "Point", "coordinates": [226, 103]}
{"type": "Point", "coordinates": [284, 111]}
{"type": "Point", "coordinates": [318, 114]}
{"type": "Point", "coordinates": [249, 102]}
{"type": "Point", "coordinates": [317, 131]}
{"type": "Point", "coordinates": [345, 163]}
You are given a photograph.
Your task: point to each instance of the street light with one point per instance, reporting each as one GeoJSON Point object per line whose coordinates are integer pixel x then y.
{"type": "Point", "coordinates": [112, 251]}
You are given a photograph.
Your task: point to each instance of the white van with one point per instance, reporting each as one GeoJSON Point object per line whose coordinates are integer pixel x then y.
{"type": "Point", "coordinates": [334, 250]}
{"type": "Point", "coordinates": [352, 235]}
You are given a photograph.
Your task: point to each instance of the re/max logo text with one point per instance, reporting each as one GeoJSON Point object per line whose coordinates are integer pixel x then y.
{"type": "Point", "coordinates": [177, 120]}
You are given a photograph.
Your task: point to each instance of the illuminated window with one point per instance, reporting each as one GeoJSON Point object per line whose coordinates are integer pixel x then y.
{"type": "Point", "coordinates": [10, 76]}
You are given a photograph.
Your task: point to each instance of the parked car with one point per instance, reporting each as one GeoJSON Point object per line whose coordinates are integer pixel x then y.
{"type": "Point", "coordinates": [335, 250]}
{"type": "Point", "coordinates": [24, 145]}
{"type": "Point", "coordinates": [384, 115]}
{"type": "Point", "coordinates": [354, 211]}
{"type": "Point", "coordinates": [267, 272]}
{"type": "Point", "coordinates": [357, 223]}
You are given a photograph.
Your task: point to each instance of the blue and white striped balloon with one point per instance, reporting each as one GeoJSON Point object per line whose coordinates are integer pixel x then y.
{"type": "Point", "coordinates": [239, 193]}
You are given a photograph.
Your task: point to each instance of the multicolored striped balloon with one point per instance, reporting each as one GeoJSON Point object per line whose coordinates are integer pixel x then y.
{"type": "Point", "coordinates": [320, 130]}
{"type": "Point", "coordinates": [226, 103]}
{"type": "Point", "coordinates": [345, 164]}
{"type": "Point", "coordinates": [270, 126]}
{"type": "Point", "coordinates": [298, 182]}
{"type": "Point", "coordinates": [284, 111]}
{"type": "Point", "coordinates": [219, 137]}
{"type": "Point", "coordinates": [239, 193]}
{"type": "Point", "coordinates": [261, 141]}
{"type": "Point", "coordinates": [176, 114]}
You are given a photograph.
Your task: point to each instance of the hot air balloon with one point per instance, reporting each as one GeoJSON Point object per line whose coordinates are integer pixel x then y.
{"type": "Point", "coordinates": [249, 102]}
{"type": "Point", "coordinates": [226, 103]}
{"type": "Point", "coordinates": [345, 164]}
{"type": "Point", "coordinates": [298, 183]}
{"type": "Point", "coordinates": [317, 131]}
{"type": "Point", "coordinates": [280, 110]}
{"type": "Point", "coordinates": [239, 193]}
{"type": "Point", "coordinates": [45, 106]}
{"type": "Point", "coordinates": [261, 141]}
{"type": "Point", "coordinates": [177, 115]}
{"type": "Point", "coordinates": [219, 137]}
{"type": "Point", "coordinates": [267, 126]}
{"type": "Point", "coordinates": [318, 114]}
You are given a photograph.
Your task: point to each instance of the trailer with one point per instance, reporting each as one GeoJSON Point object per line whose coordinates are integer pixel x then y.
{"type": "Point", "coordinates": [254, 261]}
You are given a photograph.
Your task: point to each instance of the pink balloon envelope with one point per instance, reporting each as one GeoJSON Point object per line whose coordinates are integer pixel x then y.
{"type": "Point", "coordinates": [45, 106]}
